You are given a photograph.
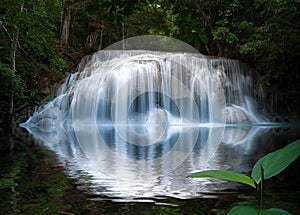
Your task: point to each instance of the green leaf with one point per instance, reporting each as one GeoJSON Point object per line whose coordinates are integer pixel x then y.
{"type": "Point", "coordinates": [243, 209]}
{"type": "Point", "coordinates": [276, 162]}
{"type": "Point", "coordinates": [274, 211]}
{"type": "Point", "coordinates": [197, 44]}
{"type": "Point", "coordinates": [202, 35]}
{"type": "Point", "coordinates": [224, 175]}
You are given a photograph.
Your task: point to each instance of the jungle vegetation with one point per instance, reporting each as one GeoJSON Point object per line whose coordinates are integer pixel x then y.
{"type": "Point", "coordinates": [43, 40]}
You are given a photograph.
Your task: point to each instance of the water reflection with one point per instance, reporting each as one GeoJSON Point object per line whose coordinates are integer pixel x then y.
{"type": "Point", "coordinates": [120, 168]}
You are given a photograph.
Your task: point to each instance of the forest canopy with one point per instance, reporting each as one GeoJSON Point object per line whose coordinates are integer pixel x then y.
{"type": "Point", "coordinates": [43, 40]}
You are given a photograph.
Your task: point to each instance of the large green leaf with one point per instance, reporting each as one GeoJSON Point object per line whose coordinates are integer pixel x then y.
{"type": "Point", "coordinates": [224, 175]}
{"type": "Point", "coordinates": [251, 210]}
{"type": "Point", "coordinates": [243, 209]}
{"type": "Point", "coordinates": [274, 211]}
{"type": "Point", "coordinates": [276, 162]}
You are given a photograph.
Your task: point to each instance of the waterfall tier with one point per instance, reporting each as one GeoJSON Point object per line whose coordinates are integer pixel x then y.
{"type": "Point", "coordinates": [150, 88]}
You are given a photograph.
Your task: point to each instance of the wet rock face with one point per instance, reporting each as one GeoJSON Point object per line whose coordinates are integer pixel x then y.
{"type": "Point", "coordinates": [236, 115]}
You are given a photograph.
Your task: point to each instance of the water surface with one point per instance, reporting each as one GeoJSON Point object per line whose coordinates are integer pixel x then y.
{"type": "Point", "coordinates": [61, 175]}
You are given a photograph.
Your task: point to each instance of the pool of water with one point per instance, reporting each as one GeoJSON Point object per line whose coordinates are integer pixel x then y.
{"type": "Point", "coordinates": [73, 173]}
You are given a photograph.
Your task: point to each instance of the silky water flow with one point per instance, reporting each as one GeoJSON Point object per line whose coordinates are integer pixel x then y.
{"type": "Point", "coordinates": [138, 122]}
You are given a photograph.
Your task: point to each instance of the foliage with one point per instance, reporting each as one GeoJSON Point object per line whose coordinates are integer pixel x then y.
{"type": "Point", "coordinates": [38, 60]}
{"type": "Point", "coordinates": [264, 34]}
{"type": "Point", "coordinates": [272, 44]}
{"type": "Point", "coordinates": [248, 209]}
{"type": "Point", "coordinates": [276, 162]}
{"type": "Point", "coordinates": [265, 168]}
{"type": "Point", "coordinates": [225, 175]}
{"type": "Point", "coordinates": [158, 19]}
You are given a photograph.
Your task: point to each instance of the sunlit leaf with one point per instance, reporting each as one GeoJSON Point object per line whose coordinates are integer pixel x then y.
{"type": "Point", "coordinates": [224, 175]}
{"type": "Point", "coordinates": [274, 211]}
{"type": "Point", "coordinates": [276, 162]}
{"type": "Point", "coordinates": [244, 209]}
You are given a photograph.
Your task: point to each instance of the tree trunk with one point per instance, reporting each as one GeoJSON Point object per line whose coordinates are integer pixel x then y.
{"type": "Point", "coordinates": [210, 25]}
{"type": "Point", "coordinates": [207, 49]}
{"type": "Point", "coordinates": [220, 48]}
{"type": "Point", "coordinates": [13, 51]}
{"type": "Point", "coordinates": [65, 27]}
{"type": "Point", "coordinates": [101, 35]}
{"type": "Point", "coordinates": [123, 34]}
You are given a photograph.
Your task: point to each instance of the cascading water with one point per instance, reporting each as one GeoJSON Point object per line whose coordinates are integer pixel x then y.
{"type": "Point", "coordinates": [140, 115]}
{"type": "Point", "coordinates": [130, 85]}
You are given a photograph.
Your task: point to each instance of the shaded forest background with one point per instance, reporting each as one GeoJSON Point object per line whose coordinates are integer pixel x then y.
{"type": "Point", "coordinates": [43, 40]}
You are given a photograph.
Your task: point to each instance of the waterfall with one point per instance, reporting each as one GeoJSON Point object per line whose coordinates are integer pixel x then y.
{"type": "Point", "coordinates": [132, 118]}
{"type": "Point", "coordinates": [140, 87]}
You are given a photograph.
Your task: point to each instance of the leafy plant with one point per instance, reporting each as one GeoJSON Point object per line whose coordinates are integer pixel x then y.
{"type": "Point", "coordinates": [265, 168]}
